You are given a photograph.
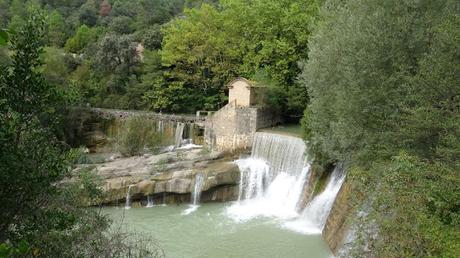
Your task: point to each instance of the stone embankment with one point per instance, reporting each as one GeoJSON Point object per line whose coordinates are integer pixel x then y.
{"type": "Point", "coordinates": [122, 114]}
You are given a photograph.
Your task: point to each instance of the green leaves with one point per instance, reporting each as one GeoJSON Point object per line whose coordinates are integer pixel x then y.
{"type": "Point", "coordinates": [382, 77]}
{"type": "Point", "coordinates": [211, 46]}
{"type": "Point", "coordinates": [362, 77]}
{"type": "Point", "coordinates": [3, 37]}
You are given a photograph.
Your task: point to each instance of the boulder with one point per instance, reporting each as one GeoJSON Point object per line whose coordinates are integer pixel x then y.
{"type": "Point", "coordinates": [146, 187]}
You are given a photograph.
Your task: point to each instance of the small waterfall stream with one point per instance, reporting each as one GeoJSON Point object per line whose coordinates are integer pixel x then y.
{"type": "Point", "coordinates": [179, 134]}
{"type": "Point", "coordinates": [149, 201]}
{"type": "Point", "coordinates": [196, 194]}
{"type": "Point", "coordinates": [318, 209]}
{"type": "Point", "coordinates": [314, 216]}
{"type": "Point", "coordinates": [197, 189]}
{"type": "Point", "coordinates": [128, 198]}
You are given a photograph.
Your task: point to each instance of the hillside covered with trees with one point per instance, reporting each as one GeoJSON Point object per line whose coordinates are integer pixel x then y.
{"type": "Point", "coordinates": [171, 56]}
{"type": "Point", "coordinates": [375, 83]}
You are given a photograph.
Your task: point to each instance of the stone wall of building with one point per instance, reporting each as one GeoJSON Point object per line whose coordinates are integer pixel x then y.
{"type": "Point", "coordinates": [240, 94]}
{"type": "Point", "coordinates": [233, 127]}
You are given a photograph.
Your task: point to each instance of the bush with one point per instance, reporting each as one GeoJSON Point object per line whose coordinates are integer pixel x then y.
{"type": "Point", "coordinates": [138, 136]}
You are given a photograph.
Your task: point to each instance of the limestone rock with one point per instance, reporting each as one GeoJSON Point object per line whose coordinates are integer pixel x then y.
{"type": "Point", "coordinates": [146, 187]}
{"type": "Point", "coordinates": [170, 173]}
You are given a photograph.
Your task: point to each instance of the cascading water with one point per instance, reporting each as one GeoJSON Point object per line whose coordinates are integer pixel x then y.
{"type": "Point", "coordinates": [179, 134]}
{"type": "Point", "coordinates": [128, 198]}
{"type": "Point", "coordinates": [160, 126]}
{"type": "Point", "coordinates": [272, 179]}
{"type": "Point", "coordinates": [197, 189]}
{"type": "Point", "coordinates": [314, 216]}
{"type": "Point", "coordinates": [196, 194]}
{"type": "Point", "coordinates": [149, 201]}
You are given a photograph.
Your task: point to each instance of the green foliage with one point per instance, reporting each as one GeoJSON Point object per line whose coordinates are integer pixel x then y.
{"type": "Point", "coordinates": [213, 45]}
{"type": "Point", "coordinates": [3, 37]}
{"type": "Point", "coordinates": [117, 54]}
{"type": "Point", "coordinates": [412, 196]}
{"type": "Point", "coordinates": [382, 77]}
{"type": "Point", "coordinates": [31, 160]}
{"type": "Point", "coordinates": [369, 95]}
{"type": "Point", "coordinates": [15, 23]}
{"type": "Point", "coordinates": [54, 68]}
{"type": "Point", "coordinates": [152, 37]}
{"type": "Point", "coordinates": [42, 209]}
{"type": "Point", "coordinates": [56, 29]}
{"type": "Point", "coordinates": [87, 14]}
{"type": "Point", "coordinates": [83, 36]}
{"type": "Point", "coordinates": [121, 25]}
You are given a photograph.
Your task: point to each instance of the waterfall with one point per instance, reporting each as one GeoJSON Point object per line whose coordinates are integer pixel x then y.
{"type": "Point", "coordinates": [253, 173]}
{"type": "Point", "coordinates": [149, 201]}
{"type": "Point", "coordinates": [314, 216]}
{"type": "Point", "coordinates": [128, 198]}
{"type": "Point", "coordinates": [272, 179]}
{"type": "Point", "coordinates": [197, 189]}
{"type": "Point", "coordinates": [196, 193]}
{"type": "Point", "coordinates": [178, 135]}
{"type": "Point", "coordinates": [160, 127]}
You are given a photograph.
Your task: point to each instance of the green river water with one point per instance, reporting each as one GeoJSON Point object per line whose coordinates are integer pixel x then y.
{"type": "Point", "coordinates": [209, 232]}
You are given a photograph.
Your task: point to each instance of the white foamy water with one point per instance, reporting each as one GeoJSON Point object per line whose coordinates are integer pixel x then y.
{"type": "Point", "coordinates": [314, 216]}
{"type": "Point", "coordinates": [179, 134]}
{"type": "Point", "coordinates": [128, 198]}
{"type": "Point", "coordinates": [149, 202]}
{"type": "Point", "coordinates": [272, 179]}
{"type": "Point", "coordinates": [196, 194]}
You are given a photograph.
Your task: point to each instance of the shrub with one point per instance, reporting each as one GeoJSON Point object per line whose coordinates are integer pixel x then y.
{"type": "Point", "coordinates": [138, 136]}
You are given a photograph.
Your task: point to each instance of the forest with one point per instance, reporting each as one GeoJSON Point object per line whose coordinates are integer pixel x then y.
{"type": "Point", "coordinates": [374, 84]}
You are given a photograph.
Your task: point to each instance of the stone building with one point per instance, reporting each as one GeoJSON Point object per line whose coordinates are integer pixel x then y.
{"type": "Point", "coordinates": [233, 126]}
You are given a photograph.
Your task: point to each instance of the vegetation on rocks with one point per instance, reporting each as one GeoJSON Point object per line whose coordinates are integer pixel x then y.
{"type": "Point", "coordinates": [139, 135]}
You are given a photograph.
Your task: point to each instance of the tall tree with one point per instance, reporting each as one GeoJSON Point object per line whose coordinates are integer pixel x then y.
{"type": "Point", "coordinates": [56, 29]}
{"type": "Point", "coordinates": [383, 79]}
{"type": "Point", "coordinates": [360, 76]}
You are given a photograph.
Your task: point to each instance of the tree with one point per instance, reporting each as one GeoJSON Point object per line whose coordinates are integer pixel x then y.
{"type": "Point", "coordinates": [383, 81]}
{"type": "Point", "coordinates": [17, 8]}
{"type": "Point", "coordinates": [40, 213]}
{"type": "Point", "coordinates": [121, 25]}
{"type": "Point", "coordinates": [26, 98]}
{"type": "Point", "coordinates": [360, 76]}
{"type": "Point", "coordinates": [117, 54]}
{"type": "Point", "coordinates": [88, 14]}
{"type": "Point", "coordinates": [80, 40]}
{"type": "Point", "coordinates": [152, 37]}
{"type": "Point", "coordinates": [4, 13]}
{"type": "Point", "coordinates": [56, 29]}
{"type": "Point", "coordinates": [118, 62]}
{"type": "Point", "coordinates": [212, 45]}
{"type": "Point", "coordinates": [54, 67]}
